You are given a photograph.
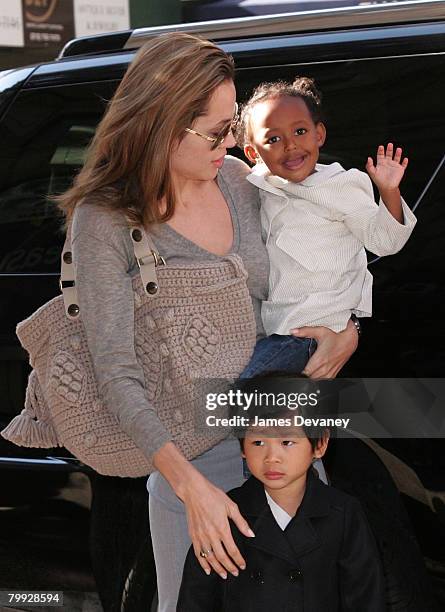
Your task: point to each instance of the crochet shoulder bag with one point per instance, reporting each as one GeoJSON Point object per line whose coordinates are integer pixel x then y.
{"type": "Point", "coordinates": [191, 322]}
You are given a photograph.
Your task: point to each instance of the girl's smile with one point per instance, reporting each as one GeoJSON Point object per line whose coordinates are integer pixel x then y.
{"type": "Point", "coordinates": [284, 136]}
{"type": "Point", "coordinates": [295, 162]}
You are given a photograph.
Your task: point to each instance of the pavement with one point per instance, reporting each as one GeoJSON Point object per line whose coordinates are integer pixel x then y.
{"type": "Point", "coordinates": [44, 541]}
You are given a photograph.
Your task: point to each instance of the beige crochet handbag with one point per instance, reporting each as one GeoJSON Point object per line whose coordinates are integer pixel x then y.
{"type": "Point", "coordinates": [191, 322]}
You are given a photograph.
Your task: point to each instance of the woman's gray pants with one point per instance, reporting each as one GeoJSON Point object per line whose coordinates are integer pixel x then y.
{"type": "Point", "coordinates": [222, 465]}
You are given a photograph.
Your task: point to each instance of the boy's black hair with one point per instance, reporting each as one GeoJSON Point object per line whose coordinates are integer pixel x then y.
{"type": "Point", "coordinates": [315, 437]}
{"type": "Point", "coordinates": [301, 87]}
{"type": "Point", "coordinates": [273, 383]}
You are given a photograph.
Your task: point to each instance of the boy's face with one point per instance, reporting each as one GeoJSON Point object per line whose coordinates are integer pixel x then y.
{"type": "Point", "coordinates": [284, 135]}
{"type": "Point", "coordinates": [280, 462]}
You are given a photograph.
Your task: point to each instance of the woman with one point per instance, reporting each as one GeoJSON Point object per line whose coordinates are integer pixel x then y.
{"type": "Point", "coordinates": [158, 158]}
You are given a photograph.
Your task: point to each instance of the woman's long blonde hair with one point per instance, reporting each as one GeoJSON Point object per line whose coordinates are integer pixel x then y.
{"type": "Point", "coordinates": [166, 87]}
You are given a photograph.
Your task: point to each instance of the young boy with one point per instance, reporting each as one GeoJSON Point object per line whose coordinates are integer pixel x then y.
{"type": "Point", "coordinates": [313, 549]}
{"type": "Point", "coordinates": [317, 221]}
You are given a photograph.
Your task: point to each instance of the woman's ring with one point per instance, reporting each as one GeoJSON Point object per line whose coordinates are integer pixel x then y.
{"type": "Point", "coordinates": [205, 553]}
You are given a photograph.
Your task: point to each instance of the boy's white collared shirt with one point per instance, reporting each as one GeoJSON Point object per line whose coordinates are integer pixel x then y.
{"type": "Point", "coordinates": [280, 515]}
{"type": "Point", "coordinates": [315, 234]}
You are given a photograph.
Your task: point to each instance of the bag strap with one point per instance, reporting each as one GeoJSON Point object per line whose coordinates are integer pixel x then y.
{"type": "Point", "coordinates": [147, 258]}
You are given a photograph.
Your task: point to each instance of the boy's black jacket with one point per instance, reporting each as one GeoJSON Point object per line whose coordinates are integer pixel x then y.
{"type": "Point", "coordinates": [325, 560]}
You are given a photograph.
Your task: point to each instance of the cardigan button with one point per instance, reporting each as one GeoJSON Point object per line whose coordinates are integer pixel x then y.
{"type": "Point", "coordinates": [257, 575]}
{"type": "Point", "coordinates": [295, 574]}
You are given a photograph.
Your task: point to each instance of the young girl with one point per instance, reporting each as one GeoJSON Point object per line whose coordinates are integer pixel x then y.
{"type": "Point", "coordinates": [317, 220]}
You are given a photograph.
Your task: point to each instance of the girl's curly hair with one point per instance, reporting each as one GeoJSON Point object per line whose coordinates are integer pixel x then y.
{"type": "Point", "coordinates": [302, 87]}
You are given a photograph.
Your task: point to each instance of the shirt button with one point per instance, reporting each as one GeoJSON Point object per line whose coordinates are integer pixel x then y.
{"type": "Point", "coordinates": [295, 574]}
{"type": "Point", "coordinates": [257, 575]}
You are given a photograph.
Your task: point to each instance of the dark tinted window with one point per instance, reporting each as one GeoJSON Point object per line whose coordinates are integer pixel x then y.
{"type": "Point", "coordinates": [45, 135]}
{"type": "Point", "coordinates": [368, 102]}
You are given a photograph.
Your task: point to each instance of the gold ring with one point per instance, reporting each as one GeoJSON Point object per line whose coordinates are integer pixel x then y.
{"type": "Point", "coordinates": [205, 553]}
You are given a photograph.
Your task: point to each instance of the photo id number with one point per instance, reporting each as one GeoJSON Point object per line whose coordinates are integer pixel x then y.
{"type": "Point", "coordinates": [11, 598]}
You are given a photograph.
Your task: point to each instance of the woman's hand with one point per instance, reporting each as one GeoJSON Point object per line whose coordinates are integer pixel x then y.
{"type": "Point", "coordinates": [208, 511]}
{"type": "Point", "coordinates": [333, 350]}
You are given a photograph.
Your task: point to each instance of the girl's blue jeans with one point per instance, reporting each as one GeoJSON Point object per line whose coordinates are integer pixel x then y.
{"type": "Point", "coordinates": [279, 354]}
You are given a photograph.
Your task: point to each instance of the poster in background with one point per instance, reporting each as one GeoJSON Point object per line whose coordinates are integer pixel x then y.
{"type": "Point", "coordinates": [11, 24]}
{"type": "Point", "coordinates": [48, 22]}
{"type": "Point", "coordinates": [42, 23]}
{"type": "Point", "coordinates": [100, 16]}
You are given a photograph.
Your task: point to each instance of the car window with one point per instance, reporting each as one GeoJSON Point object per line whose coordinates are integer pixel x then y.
{"type": "Point", "coordinates": [369, 102]}
{"type": "Point", "coordinates": [46, 134]}
{"type": "Point", "coordinates": [10, 80]}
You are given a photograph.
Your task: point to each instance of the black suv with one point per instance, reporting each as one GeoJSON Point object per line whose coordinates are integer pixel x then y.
{"type": "Point", "coordinates": [382, 72]}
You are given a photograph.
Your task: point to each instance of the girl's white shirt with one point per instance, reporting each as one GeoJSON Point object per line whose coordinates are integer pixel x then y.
{"type": "Point", "coordinates": [316, 233]}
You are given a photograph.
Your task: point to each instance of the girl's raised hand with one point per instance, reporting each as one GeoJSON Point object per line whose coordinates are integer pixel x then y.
{"type": "Point", "coordinates": [390, 167]}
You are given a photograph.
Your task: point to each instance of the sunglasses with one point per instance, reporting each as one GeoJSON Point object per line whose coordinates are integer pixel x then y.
{"type": "Point", "coordinates": [222, 135]}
